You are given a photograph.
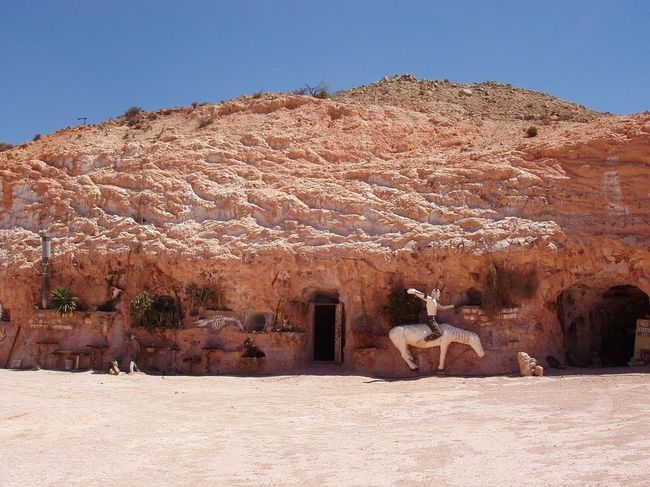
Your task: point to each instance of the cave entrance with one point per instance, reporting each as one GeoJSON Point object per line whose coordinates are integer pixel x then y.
{"type": "Point", "coordinates": [599, 325]}
{"type": "Point", "coordinates": [328, 328]}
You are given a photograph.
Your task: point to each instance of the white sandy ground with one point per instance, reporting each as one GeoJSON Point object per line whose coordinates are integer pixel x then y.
{"type": "Point", "coordinates": [59, 428]}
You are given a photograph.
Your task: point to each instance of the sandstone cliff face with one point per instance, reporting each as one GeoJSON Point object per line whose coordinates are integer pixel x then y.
{"type": "Point", "coordinates": [281, 197]}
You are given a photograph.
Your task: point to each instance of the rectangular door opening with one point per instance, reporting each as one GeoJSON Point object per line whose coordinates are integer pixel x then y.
{"type": "Point", "coordinates": [324, 332]}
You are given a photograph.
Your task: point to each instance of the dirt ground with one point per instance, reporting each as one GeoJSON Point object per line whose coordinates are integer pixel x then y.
{"type": "Point", "coordinates": [321, 428]}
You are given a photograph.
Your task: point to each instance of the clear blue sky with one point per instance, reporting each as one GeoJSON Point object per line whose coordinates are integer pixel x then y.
{"type": "Point", "coordinates": [65, 59]}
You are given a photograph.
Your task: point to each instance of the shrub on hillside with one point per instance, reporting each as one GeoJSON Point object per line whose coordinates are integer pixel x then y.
{"type": "Point", "coordinates": [132, 116]}
{"type": "Point", "coordinates": [204, 122]}
{"type": "Point", "coordinates": [321, 90]}
{"type": "Point", "coordinates": [531, 131]}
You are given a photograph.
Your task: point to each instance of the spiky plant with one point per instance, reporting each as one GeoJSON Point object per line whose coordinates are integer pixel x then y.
{"type": "Point", "coordinates": [63, 300]}
{"type": "Point", "coordinates": [251, 350]}
{"type": "Point", "coordinates": [141, 308]}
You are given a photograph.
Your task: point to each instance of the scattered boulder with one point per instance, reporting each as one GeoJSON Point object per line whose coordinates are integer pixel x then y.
{"type": "Point", "coordinates": [528, 365]}
{"type": "Point", "coordinates": [114, 369]}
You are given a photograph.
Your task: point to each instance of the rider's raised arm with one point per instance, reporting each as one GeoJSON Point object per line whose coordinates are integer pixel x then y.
{"type": "Point", "coordinates": [447, 306]}
{"type": "Point", "coordinates": [417, 293]}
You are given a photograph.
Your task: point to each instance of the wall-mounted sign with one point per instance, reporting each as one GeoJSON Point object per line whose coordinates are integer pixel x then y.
{"type": "Point", "coordinates": [642, 341]}
{"type": "Point", "coordinates": [643, 328]}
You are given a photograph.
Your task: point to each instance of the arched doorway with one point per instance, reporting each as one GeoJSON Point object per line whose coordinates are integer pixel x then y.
{"type": "Point", "coordinates": [599, 324]}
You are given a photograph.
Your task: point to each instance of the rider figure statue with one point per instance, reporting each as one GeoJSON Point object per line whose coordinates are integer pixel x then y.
{"type": "Point", "coordinates": [432, 310]}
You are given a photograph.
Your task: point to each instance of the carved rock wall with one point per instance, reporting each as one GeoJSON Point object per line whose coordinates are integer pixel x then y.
{"type": "Point", "coordinates": [283, 197]}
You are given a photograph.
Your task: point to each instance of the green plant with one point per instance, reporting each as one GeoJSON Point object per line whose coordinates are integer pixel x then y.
{"type": "Point", "coordinates": [204, 122]}
{"type": "Point", "coordinates": [251, 350]}
{"type": "Point", "coordinates": [141, 309]}
{"type": "Point", "coordinates": [63, 300]}
{"type": "Point", "coordinates": [151, 313]}
{"type": "Point", "coordinates": [402, 308]}
{"type": "Point", "coordinates": [531, 131]}
{"type": "Point", "coordinates": [5, 146]}
{"type": "Point", "coordinates": [200, 297]}
{"type": "Point", "coordinates": [164, 319]}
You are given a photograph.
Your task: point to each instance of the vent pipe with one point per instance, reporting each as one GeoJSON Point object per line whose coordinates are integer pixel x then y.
{"type": "Point", "coordinates": [45, 267]}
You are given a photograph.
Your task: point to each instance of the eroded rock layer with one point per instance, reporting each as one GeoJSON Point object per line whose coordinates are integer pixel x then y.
{"type": "Point", "coordinates": [280, 197]}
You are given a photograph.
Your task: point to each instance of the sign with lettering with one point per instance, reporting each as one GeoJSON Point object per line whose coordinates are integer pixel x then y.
{"type": "Point", "coordinates": [642, 340]}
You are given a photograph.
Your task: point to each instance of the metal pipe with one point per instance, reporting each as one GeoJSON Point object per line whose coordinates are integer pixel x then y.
{"type": "Point", "coordinates": [45, 267]}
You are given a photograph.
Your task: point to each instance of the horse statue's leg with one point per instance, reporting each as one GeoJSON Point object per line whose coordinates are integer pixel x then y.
{"type": "Point", "coordinates": [396, 336]}
{"type": "Point", "coordinates": [444, 344]}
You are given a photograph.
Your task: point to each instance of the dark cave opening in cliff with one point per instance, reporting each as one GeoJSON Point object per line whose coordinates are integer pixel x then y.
{"type": "Point", "coordinates": [599, 325]}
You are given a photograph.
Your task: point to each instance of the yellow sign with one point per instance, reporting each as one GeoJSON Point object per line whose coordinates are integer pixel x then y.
{"type": "Point", "coordinates": [642, 341]}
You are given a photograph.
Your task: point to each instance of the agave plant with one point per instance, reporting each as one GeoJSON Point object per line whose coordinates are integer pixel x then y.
{"type": "Point", "coordinates": [141, 308]}
{"type": "Point", "coordinates": [63, 300]}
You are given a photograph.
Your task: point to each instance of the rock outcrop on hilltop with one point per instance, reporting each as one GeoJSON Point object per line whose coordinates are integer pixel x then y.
{"type": "Point", "coordinates": [291, 202]}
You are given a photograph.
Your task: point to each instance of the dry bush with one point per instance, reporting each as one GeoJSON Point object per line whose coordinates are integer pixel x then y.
{"type": "Point", "coordinates": [321, 90]}
{"type": "Point", "coordinates": [531, 131]}
{"type": "Point", "coordinates": [204, 122]}
{"type": "Point", "coordinates": [132, 116]}
{"type": "Point", "coordinates": [403, 308]}
{"type": "Point", "coordinates": [5, 146]}
{"type": "Point", "coordinates": [505, 287]}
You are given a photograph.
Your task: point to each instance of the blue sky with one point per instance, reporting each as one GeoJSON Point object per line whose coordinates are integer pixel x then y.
{"type": "Point", "coordinates": [67, 59]}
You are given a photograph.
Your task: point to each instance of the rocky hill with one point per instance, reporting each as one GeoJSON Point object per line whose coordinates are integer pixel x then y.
{"type": "Point", "coordinates": [401, 177]}
{"type": "Point", "coordinates": [380, 166]}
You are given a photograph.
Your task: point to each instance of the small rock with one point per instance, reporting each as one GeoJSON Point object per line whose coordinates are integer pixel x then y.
{"type": "Point", "coordinates": [411, 245]}
{"type": "Point", "coordinates": [466, 91]}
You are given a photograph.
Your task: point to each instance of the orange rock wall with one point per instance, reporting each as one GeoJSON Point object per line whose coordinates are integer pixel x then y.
{"type": "Point", "coordinates": [285, 196]}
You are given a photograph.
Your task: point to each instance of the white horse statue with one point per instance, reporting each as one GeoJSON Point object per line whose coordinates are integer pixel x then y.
{"type": "Point", "coordinates": [415, 335]}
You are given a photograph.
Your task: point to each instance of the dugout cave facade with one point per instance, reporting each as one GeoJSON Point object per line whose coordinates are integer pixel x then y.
{"type": "Point", "coordinates": [304, 310]}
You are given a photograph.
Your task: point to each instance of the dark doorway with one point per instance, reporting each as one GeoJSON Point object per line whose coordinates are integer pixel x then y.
{"type": "Point", "coordinates": [324, 331]}
{"type": "Point", "coordinates": [599, 325]}
{"type": "Point", "coordinates": [614, 317]}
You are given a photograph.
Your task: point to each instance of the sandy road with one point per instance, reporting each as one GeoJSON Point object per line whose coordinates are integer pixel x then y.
{"type": "Point", "coordinates": [318, 429]}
